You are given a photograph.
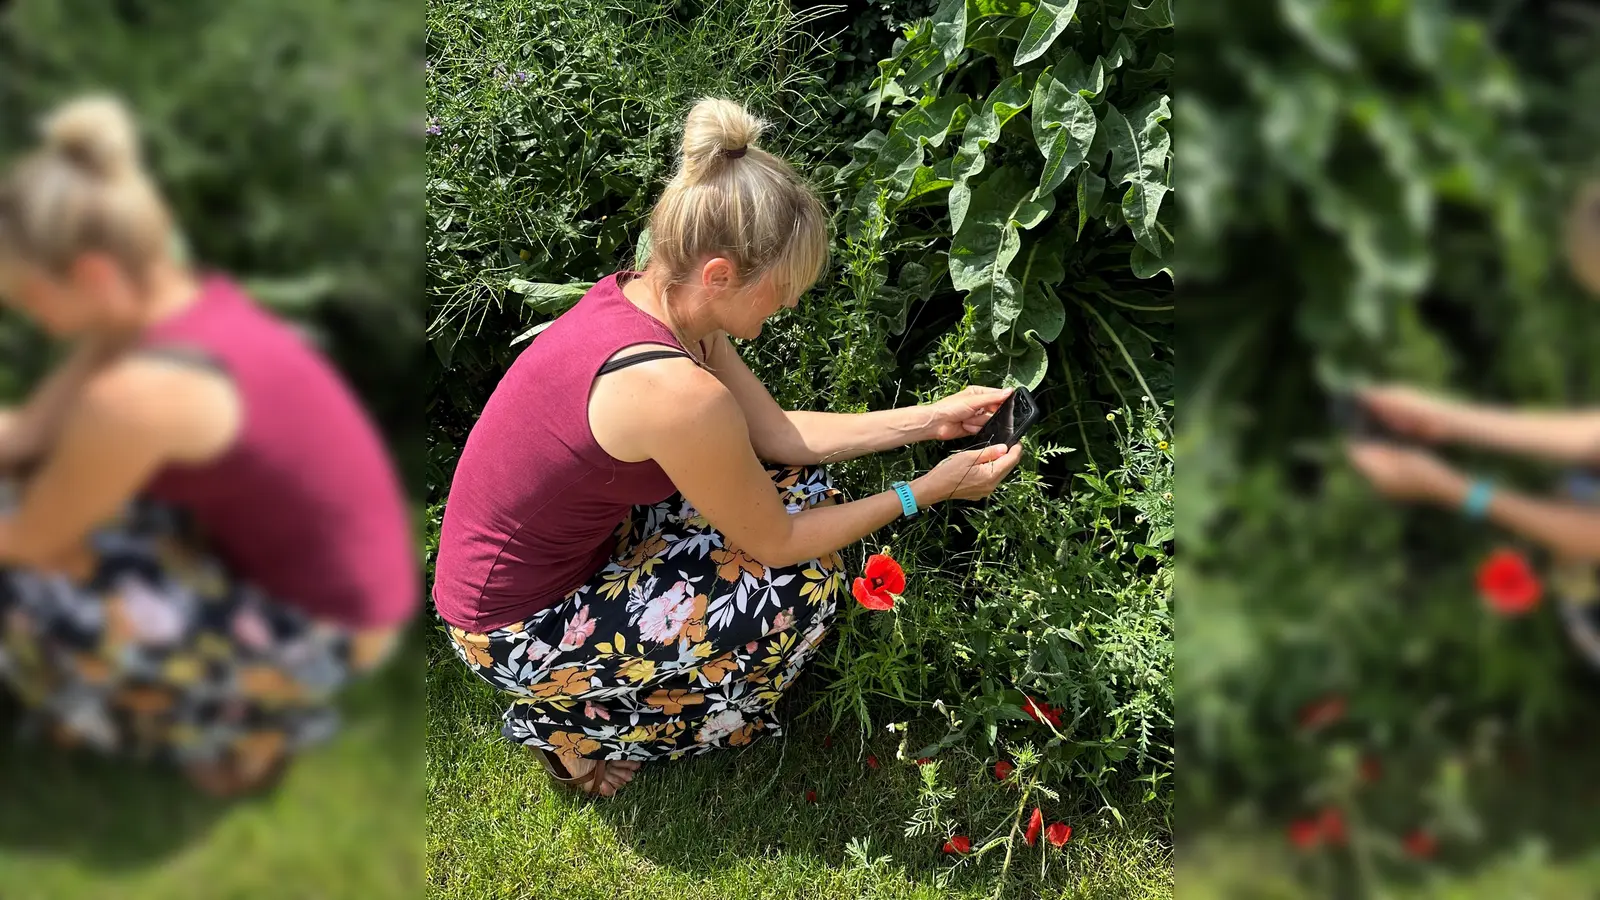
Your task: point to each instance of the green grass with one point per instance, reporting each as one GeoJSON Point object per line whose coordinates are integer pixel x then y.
{"type": "Point", "coordinates": [736, 825]}
{"type": "Point", "coordinates": [346, 822]}
{"type": "Point", "coordinates": [1539, 839]}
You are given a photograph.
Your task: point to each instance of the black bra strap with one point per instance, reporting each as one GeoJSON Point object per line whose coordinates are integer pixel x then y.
{"type": "Point", "coordinates": [191, 356]}
{"type": "Point", "coordinates": [625, 362]}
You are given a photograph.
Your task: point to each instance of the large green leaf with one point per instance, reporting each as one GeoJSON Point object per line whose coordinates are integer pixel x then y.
{"type": "Point", "coordinates": [1043, 313]}
{"type": "Point", "coordinates": [927, 125]}
{"type": "Point", "coordinates": [1008, 99]}
{"type": "Point", "coordinates": [947, 39]}
{"type": "Point", "coordinates": [866, 152]}
{"type": "Point", "coordinates": [1028, 367]}
{"type": "Point", "coordinates": [925, 184]}
{"type": "Point", "coordinates": [1049, 20]}
{"type": "Point", "coordinates": [982, 9]}
{"type": "Point", "coordinates": [1090, 189]}
{"type": "Point", "coordinates": [1147, 15]}
{"type": "Point", "coordinates": [1087, 81]}
{"type": "Point", "coordinates": [1064, 127]}
{"type": "Point", "coordinates": [547, 297]}
{"type": "Point", "coordinates": [1139, 154]}
{"type": "Point", "coordinates": [982, 251]}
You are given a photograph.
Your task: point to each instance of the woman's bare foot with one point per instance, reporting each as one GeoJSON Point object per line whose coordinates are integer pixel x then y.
{"type": "Point", "coordinates": [616, 774]}
{"type": "Point", "coordinates": [234, 777]}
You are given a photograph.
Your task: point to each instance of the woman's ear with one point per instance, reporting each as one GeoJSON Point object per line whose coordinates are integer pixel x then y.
{"type": "Point", "coordinates": [718, 274]}
{"type": "Point", "coordinates": [1583, 237]}
{"type": "Point", "coordinates": [97, 273]}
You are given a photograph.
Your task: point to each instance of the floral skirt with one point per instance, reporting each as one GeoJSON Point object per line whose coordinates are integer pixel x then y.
{"type": "Point", "coordinates": [162, 654]}
{"type": "Point", "coordinates": [679, 645]}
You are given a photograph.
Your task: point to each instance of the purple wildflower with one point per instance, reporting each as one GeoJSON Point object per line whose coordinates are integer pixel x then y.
{"type": "Point", "coordinates": [522, 77]}
{"type": "Point", "coordinates": [433, 126]}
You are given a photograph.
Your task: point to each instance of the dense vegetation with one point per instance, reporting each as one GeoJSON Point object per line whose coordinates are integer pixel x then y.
{"type": "Point", "coordinates": [292, 163]}
{"type": "Point", "coordinates": [1372, 191]}
{"type": "Point", "coordinates": [999, 174]}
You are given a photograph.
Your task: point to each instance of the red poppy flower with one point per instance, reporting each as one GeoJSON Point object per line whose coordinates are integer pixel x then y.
{"type": "Point", "coordinates": [1035, 825]}
{"type": "Point", "coordinates": [884, 579]}
{"type": "Point", "coordinates": [1319, 714]}
{"type": "Point", "coordinates": [1508, 584]}
{"type": "Point", "coordinates": [1371, 770]}
{"type": "Point", "coordinates": [1041, 712]}
{"type": "Point", "coordinates": [1058, 834]}
{"type": "Point", "coordinates": [811, 796]}
{"type": "Point", "coordinates": [958, 844]}
{"type": "Point", "coordinates": [1420, 844]}
{"type": "Point", "coordinates": [1331, 822]}
{"type": "Point", "coordinates": [1003, 769]}
{"type": "Point", "coordinates": [1305, 834]}
{"type": "Point", "coordinates": [923, 760]}
{"type": "Point", "coordinates": [872, 761]}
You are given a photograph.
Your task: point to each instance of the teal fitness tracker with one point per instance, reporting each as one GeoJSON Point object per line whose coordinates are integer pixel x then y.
{"type": "Point", "coordinates": [908, 503]}
{"type": "Point", "coordinates": [1476, 506]}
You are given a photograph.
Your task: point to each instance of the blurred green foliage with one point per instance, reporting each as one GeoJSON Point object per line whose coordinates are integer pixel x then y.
{"type": "Point", "coordinates": [1373, 190]}
{"type": "Point", "coordinates": [287, 135]}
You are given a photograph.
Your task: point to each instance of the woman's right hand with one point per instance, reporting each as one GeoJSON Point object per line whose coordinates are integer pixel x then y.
{"type": "Point", "coordinates": [968, 475]}
{"type": "Point", "coordinates": [1413, 413]}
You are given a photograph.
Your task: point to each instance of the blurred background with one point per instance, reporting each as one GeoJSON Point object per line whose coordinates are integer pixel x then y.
{"type": "Point", "coordinates": [287, 136]}
{"type": "Point", "coordinates": [1375, 190]}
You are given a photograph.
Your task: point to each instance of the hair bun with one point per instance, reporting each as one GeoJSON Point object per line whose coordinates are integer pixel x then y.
{"type": "Point", "coordinates": [716, 130]}
{"type": "Point", "coordinates": [96, 133]}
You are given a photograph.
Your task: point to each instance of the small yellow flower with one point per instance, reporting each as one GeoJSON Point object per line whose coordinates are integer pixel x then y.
{"type": "Point", "coordinates": [1111, 417]}
{"type": "Point", "coordinates": [524, 254]}
{"type": "Point", "coordinates": [1161, 446]}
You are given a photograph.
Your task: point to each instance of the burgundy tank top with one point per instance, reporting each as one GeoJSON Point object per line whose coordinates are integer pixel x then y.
{"type": "Point", "coordinates": [306, 503]}
{"type": "Point", "coordinates": [535, 502]}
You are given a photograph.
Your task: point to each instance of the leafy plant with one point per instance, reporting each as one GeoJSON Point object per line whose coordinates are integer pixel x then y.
{"type": "Point", "coordinates": [1015, 147]}
{"type": "Point", "coordinates": [290, 157]}
{"type": "Point", "coordinates": [1371, 192]}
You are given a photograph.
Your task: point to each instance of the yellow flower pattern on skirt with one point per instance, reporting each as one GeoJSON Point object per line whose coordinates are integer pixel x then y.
{"type": "Point", "coordinates": [679, 645]}
{"type": "Point", "coordinates": [164, 655]}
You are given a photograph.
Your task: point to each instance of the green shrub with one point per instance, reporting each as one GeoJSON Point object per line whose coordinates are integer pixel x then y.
{"type": "Point", "coordinates": [285, 135]}
{"type": "Point", "coordinates": [541, 176]}
{"type": "Point", "coordinates": [1371, 192]}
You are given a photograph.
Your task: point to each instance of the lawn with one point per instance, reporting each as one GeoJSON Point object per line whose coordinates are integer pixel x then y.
{"type": "Point", "coordinates": [1528, 832]}
{"type": "Point", "coordinates": [737, 825]}
{"type": "Point", "coordinates": [346, 822]}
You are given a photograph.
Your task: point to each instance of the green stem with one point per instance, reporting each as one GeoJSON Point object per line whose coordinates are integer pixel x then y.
{"type": "Point", "coordinates": [1124, 350]}
{"type": "Point", "coordinates": [1115, 302]}
{"type": "Point", "coordinates": [1072, 389]}
{"type": "Point", "coordinates": [1011, 842]}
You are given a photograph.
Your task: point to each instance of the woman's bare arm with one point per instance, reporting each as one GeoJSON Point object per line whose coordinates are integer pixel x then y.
{"type": "Point", "coordinates": [695, 429]}
{"type": "Point", "coordinates": [114, 435]}
{"type": "Point", "coordinates": [27, 431]}
{"type": "Point", "coordinates": [803, 438]}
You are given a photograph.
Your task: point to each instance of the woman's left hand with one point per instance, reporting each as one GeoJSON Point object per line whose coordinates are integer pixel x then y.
{"type": "Point", "coordinates": [962, 414]}
{"type": "Point", "coordinates": [1404, 473]}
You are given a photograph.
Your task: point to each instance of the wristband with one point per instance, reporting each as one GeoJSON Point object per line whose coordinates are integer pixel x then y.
{"type": "Point", "coordinates": [1476, 506]}
{"type": "Point", "coordinates": [908, 503]}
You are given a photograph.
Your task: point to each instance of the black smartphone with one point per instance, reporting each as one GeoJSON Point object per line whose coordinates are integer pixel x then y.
{"type": "Point", "coordinates": [1352, 417]}
{"type": "Point", "coordinates": [1008, 424]}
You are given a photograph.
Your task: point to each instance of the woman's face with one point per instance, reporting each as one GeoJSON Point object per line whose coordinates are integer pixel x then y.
{"type": "Point", "coordinates": [743, 308]}
{"type": "Point", "coordinates": [93, 295]}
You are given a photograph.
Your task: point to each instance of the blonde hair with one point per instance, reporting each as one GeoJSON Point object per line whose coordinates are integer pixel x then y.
{"type": "Point", "coordinates": [732, 199]}
{"type": "Point", "coordinates": [84, 190]}
{"type": "Point", "coordinates": [1583, 237]}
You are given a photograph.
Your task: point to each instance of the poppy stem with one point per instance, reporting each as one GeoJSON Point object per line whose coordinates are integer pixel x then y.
{"type": "Point", "coordinates": [1011, 842]}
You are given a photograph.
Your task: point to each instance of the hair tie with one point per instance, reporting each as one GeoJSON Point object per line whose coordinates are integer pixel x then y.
{"type": "Point", "coordinates": [735, 154]}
